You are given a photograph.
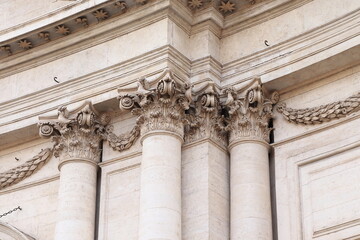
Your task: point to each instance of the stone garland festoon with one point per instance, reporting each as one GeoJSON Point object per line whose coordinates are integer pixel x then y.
{"type": "Point", "coordinates": [201, 117]}
{"type": "Point", "coordinates": [321, 114]}
{"type": "Point", "coordinates": [25, 170]}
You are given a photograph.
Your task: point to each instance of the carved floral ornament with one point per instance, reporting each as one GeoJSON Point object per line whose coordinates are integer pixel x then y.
{"type": "Point", "coordinates": [204, 118]}
{"type": "Point", "coordinates": [249, 115]}
{"type": "Point", "coordinates": [108, 10]}
{"type": "Point", "coordinates": [160, 104]}
{"type": "Point", "coordinates": [76, 134]}
{"type": "Point", "coordinates": [164, 103]}
{"type": "Point", "coordinates": [168, 103]}
{"type": "Point", "coordinates": [323, 113]}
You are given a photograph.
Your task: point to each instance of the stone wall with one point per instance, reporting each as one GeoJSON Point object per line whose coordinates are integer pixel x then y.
{"type": "Point", "coordinates": [202, 84]}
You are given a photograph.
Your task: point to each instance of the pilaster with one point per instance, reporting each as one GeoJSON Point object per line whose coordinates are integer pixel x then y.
{"type": "Point", "coordinates": [204, 119]}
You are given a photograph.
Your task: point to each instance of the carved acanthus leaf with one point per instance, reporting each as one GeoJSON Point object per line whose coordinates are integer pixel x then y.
{"type": "Point", "coordinates": [26, 169]}
{"type": "Point", "coordinates": [204, 119]}
{"type": "Point", "coordinates": [76, 134]}
{"type": "Point", "coordinates": [249, 115]}
{"type": "Point", "coordinates": [323, 113]}
{"type": "Point", "coordinates": [160, 104]}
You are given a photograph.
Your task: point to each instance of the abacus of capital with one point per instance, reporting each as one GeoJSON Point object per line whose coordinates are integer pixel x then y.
{"type": "Point", "coordinates": [169, 111]}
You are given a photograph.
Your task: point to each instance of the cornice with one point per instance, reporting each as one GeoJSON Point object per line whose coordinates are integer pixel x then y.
{"type": "Point", "coordinates": [260, 13]}
{"type": "Point", "coordinates": [53, 14]}
{"type": "Point", "coordinates": [72, 24]}
{"type": "Point", "coordinates": [208, 18]}
{"type": "Point", "coordinates": [88, 37]}
{"type": "Point", "coordinates": [316, 41]}
{"type": "Point", "coordinates": [77, 90]}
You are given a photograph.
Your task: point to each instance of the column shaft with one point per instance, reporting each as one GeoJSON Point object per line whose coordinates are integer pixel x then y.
{"type": "Point", "coordinates": [160, 196]}
{"type": "Point", "coordinates": [76, 201]}
{"type": "Point", "coordinates": [250, 192]}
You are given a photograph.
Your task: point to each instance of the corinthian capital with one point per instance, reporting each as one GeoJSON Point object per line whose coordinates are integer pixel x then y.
{"type": "Point", "coordinates": [249, 113]}
{"type": "Point", "coordinates": [205, 120]}
{"type": "Point", "coordinates": [159, 103]}
{"type": "Point", "coordinates": [76, 133]}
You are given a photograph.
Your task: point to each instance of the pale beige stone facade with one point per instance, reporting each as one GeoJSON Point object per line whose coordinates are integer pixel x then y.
{"type": "Point", "coordinates": [175, 119]}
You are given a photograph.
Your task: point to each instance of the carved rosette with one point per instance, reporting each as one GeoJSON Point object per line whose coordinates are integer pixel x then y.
{"type": "Point", "coordinates": [160, 104]}
{"type": "Point", "coordinates": [76, 134]}
{"type": "Point", "coordinates": [205, 120]}
{"type": "Point", "coordinates": [249, 115]}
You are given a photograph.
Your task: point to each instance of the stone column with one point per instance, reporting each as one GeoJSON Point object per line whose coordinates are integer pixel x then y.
{"type": "Point", "coordinates": [249, 164]}
{"type": "Point", "coordinates": [77, 138]}
{"type": "Point", "coordinates": [161, 113]}
{"type": "Point", "coordinates": [206, 210]}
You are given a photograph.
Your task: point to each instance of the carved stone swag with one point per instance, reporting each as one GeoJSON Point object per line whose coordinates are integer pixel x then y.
{"type": "Point", "coordinates": [164, 103]}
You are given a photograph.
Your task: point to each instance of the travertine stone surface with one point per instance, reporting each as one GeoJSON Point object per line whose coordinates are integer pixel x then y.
{"type": "Point", "coordinates": [316, 165]}
{"type": "Point", "coordinates": [249, 179]}
{"type": "Point", "coordinates": [8, 232]}
{"type": "Point", "coordinates": [205, 192]}
{"type": "Point", "coordinates": [161, 106]}
{"type": "Point", "coordinates": [77, 194]}
{"type": "Point", "coordinates": [160, 193]}
{"type": "Point", "coordinates": [77, 136]}
{"type": "Point", "coordinates": [250, 192]}
{"type": "Point", "coordinates": [119, 199]}
{"type": "Point", "coordinates": [201, 170]}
